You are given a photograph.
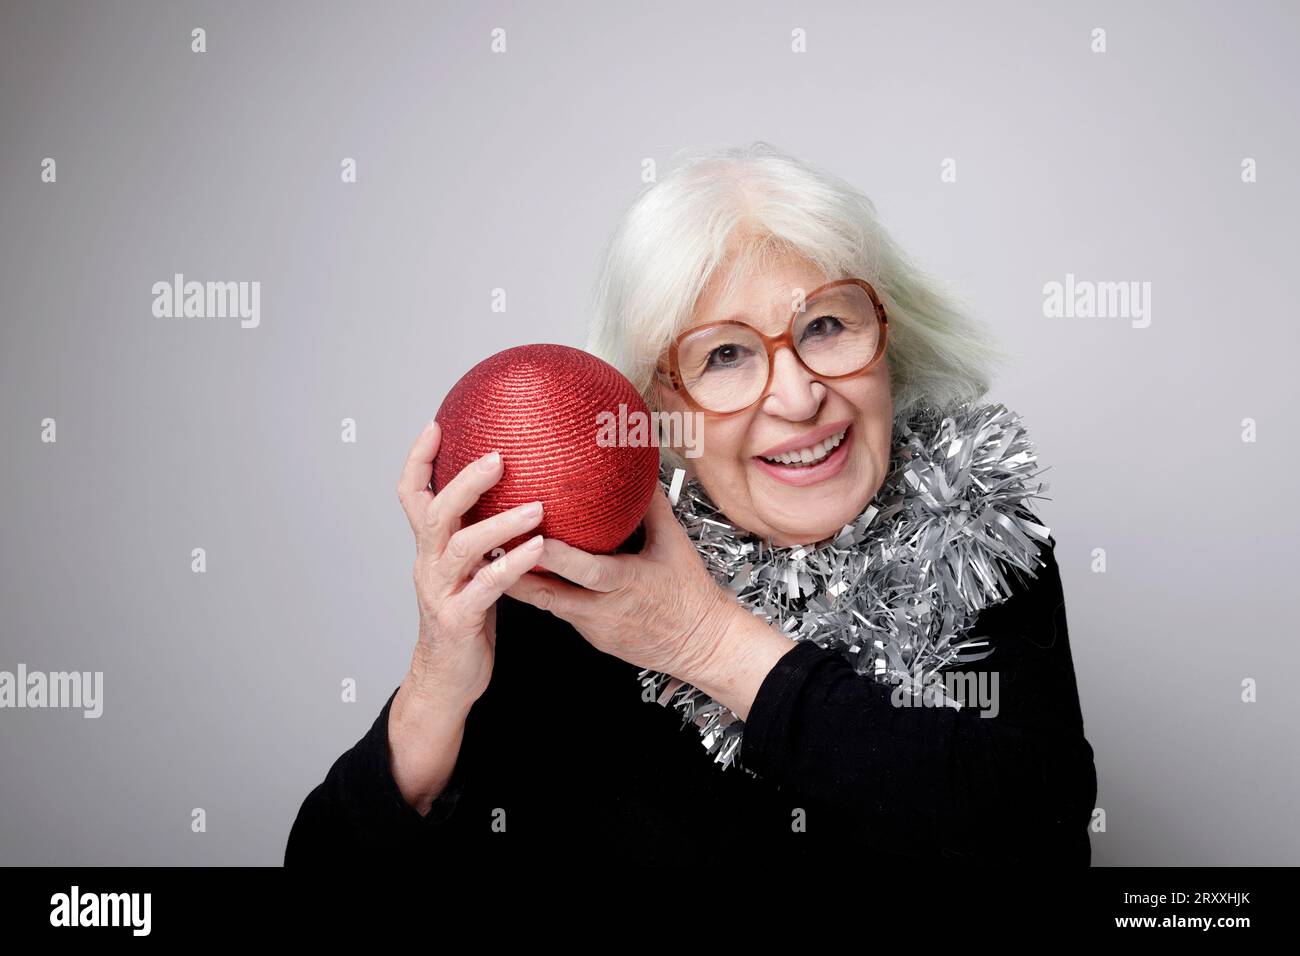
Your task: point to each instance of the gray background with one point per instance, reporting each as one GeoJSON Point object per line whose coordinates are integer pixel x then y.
{"type": "Point", "coordinates": [479, 171]}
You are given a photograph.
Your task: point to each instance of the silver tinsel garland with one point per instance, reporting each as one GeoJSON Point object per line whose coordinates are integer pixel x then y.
{"type": "Point", "coordinates": [897, 589]}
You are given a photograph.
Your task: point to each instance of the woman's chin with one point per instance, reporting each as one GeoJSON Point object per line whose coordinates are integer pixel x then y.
{"type": "Point", "coordinates": [821, 509]}
{"type": "Point", "coordinates": [806, 539]}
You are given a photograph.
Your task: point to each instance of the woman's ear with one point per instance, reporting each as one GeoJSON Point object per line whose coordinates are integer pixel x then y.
{"type": "Point", "coordinates": [662, 402]}
{"type": "Point", "coordinates": [662, 396]}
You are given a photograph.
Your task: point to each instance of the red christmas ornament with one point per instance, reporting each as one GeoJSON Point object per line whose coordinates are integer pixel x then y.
{"type": "Point", "coordinates": [547, 409]}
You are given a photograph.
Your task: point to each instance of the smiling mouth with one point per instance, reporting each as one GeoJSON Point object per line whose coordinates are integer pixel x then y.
{"type": "Point", "coordinates": [808, 457]}
{"type": "Point", "coordinates": [826, 460]}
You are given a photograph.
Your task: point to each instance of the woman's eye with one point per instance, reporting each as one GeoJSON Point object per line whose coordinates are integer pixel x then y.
{"type": "Point", "coordinates": [823, 325]}
{"type": "Point", "coordinates": [726, 356]}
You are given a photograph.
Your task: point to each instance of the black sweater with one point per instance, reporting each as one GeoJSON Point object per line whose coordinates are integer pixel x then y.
{"type": "Point", "coordinates": [561, 754]}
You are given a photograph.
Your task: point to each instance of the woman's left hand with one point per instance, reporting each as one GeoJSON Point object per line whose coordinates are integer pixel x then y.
{"type": "Point", "coordinates": [658, 609]}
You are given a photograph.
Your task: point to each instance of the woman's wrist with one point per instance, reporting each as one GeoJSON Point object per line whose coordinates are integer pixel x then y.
{"type": "Point", "coordinates": [424, 738]}
{"type": "Point", "coordinates": [742, 655]}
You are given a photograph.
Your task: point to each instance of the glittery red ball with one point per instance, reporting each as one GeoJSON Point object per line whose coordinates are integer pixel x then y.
{"type": "Point", "coordinates": [546, 408]}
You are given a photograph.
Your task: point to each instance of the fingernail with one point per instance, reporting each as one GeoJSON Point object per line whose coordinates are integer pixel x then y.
{"type": "Point", "coordinates": [534, 543]}
{"type": "Point", "coordinates": [490, 460]}
{"type": "Point", "coordinates": [532, 508]}
{"type": "Point", "coordinates": [429, 427]}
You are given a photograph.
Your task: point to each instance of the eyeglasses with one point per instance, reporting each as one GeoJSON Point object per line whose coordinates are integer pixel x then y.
{"type": "Point", "coordinates": [726, 367]}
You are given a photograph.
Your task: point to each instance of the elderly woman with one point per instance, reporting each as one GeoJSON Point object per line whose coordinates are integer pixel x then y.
{"type": "Point", "coordinates": [763, 677]}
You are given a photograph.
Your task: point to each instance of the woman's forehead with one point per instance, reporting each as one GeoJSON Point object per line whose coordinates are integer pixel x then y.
{"type": "Point", "coordinates": [763, 297]}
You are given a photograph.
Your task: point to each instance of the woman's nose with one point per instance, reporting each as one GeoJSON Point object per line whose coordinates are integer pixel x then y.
{"type": "Point", "coordinates": [794, 393]}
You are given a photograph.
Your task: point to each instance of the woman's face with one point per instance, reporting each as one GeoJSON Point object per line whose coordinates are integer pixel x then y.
{"type": "Point", "coordinates": [790, 505]}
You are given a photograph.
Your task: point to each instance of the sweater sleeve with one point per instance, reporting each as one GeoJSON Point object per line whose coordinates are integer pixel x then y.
{"type": "Point", "coordinates": [1013, 781]}
{"type": "Point", "coordinates": [358, 809]}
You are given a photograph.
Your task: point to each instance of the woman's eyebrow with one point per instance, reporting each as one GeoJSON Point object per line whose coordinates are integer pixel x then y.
{"type": "Point", "coordinates": [822, 299]}
{"type": "Point", "coordinates": [832, 295]}
{"type": "Point", "coordinates": [780, 312]}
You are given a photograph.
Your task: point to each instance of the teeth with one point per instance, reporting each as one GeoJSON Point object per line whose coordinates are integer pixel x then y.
{"type": "Point", "coordinates": [808, 456]}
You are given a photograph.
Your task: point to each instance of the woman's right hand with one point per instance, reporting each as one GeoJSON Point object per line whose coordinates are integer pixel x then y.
{"type": "Point", "coordinates": [455, 585]}
{"type": "Point", "coordinates": [456, 588]}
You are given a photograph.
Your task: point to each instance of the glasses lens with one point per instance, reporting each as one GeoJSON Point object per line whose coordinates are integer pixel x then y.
{"type": "Point", "coordinates": [724, 368]}
{"type": "Point", "coordinates": [838, 333]}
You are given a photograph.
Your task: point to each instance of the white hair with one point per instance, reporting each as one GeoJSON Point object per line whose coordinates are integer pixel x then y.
{"type": "Point", "coordinates": [754, 202]}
